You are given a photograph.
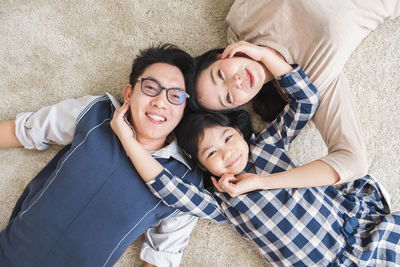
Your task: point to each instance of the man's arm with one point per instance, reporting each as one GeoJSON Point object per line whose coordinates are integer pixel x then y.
{"type": "Point", "coordinates": [164, 243]}
{"type": "Point", "coordinates": [53, 124]}
{"type": "Point", "coordinates": [8, 139]}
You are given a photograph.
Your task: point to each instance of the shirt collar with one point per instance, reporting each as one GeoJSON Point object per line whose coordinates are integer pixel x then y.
{"type": "Point", "coordinates": [114, 101]}
{"type": "Point", "coordinates": [170, 150]}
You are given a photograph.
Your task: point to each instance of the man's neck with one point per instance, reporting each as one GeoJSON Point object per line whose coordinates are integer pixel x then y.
{"type": "Point", "coordinates": [151, 144]}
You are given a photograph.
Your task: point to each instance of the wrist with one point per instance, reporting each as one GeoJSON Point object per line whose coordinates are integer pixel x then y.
{"type": "Point", "coordinates": [265, 181]}
{"type": "Point", "coordinates": [261, 182]}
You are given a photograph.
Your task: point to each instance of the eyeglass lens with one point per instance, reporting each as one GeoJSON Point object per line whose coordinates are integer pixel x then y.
{"type": "Point", "coordinates": [152, 88]}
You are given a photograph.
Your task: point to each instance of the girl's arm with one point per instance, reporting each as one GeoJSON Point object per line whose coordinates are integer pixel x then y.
{"type": "Point", "coordinates": [303, 102]}
{"type": "Point", "coordinates": [172, 190]}
{"type": "Point", "coordinates": [8, 139]}
{"type": "Point", "coordinates": [303, 99]}
{"type": "Point", "coordinates": [147, 167]}
{"type": "Point", "coordinates": [315, 173]}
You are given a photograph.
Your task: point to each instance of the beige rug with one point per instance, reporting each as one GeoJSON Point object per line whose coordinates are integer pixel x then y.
{"type": "Point", "coordinates": [52, 50]}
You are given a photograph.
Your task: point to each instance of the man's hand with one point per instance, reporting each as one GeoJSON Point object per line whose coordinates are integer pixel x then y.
{"type": "Point", "coordinates": [7, 135]}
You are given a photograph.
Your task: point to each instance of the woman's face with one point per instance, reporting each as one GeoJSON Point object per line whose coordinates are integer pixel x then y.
{"type": "Point", "coordinates": [229, 83]}
{"type": "Point", "coordinates": [223, 150]}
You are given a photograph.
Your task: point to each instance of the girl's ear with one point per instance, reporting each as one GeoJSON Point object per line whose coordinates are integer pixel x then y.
{"type": "Point", "coordinates": [201, 167]}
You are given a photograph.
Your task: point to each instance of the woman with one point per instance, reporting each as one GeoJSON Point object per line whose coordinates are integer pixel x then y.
{"type": "Point", "coordinates": [319, 36]}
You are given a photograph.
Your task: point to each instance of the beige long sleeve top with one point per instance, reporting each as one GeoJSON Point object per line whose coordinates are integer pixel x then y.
{"type": "Point", "coordinates": [320, 36]}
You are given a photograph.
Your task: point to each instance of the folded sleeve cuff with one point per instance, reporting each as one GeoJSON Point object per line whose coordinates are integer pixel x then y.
{"type": "Point", "coordinates": [31, 140]}
{"type": "Point", "coordinates": [160, 258]}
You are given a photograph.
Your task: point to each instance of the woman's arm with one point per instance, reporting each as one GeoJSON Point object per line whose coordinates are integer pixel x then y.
{"type": "Point", "coordinates": [8, 139]}
{"type": "Point", "coordinates": [323, 61]}
{"type": "Point", "coordinates": [172, 190]}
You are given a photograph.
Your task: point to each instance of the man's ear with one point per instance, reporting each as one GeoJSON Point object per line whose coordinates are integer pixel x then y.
{"type": "Point", "coordinates": [127, 92]}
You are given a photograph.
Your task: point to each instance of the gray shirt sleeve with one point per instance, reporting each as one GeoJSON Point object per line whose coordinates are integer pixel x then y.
{"type": "Point", "coordinates": [165, 242]}
{"type": "Point", "coordinates": [49, 125]}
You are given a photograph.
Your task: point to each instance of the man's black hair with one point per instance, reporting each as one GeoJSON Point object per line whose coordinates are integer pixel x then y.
{"type": "Point", "coordinates": [164, 53]}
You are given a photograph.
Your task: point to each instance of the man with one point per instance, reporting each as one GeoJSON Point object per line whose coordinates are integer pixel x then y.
{"type": "Point", "coordinates": [87, 205]}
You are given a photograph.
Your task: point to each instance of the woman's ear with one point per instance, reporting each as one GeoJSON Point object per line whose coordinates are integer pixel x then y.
{"type": "Point", "coordinates": [239, 131]}
{"type": "Point", "coordinates": [127, 92]}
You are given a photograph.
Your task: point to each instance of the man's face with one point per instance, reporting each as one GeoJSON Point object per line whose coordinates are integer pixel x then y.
{"type": "Point", "coordinates": [154, 118]}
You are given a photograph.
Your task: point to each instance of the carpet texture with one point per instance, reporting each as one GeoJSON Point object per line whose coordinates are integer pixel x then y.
{"type": "Point", "coordinates": [52, 50]}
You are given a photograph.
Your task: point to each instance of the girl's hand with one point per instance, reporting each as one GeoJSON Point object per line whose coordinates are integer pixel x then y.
{"type": "Point", "coordinates": [238, 185]}
{"type": "Point", "coordinates": [120, 126]}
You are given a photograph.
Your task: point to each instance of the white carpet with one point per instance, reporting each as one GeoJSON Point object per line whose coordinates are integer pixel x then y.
{"type": "Point", "coordinates": [52, 50]}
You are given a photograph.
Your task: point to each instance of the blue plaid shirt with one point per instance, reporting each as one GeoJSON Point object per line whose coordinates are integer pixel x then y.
{"type": "Point", "coordinates": [299, 227]}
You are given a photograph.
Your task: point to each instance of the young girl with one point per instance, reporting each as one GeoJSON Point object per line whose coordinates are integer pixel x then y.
{"type": "Point", "coordinates": [319, 226]}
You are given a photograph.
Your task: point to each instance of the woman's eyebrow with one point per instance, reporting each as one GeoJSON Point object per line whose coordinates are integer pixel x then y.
{"type": "Point", "coordinates": [212, 77]}
{"type": "Point", "coordinates": [221, 102]}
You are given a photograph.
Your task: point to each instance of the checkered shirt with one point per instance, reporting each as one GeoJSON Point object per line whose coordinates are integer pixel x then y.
{"type": "Point", "coordinates": [317, 226]}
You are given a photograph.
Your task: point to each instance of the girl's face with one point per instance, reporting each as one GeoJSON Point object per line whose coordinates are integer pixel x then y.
{"type": "Point", "coordinates": [223, 150]}
{"type": "Point", "coordinates": [229, 83]}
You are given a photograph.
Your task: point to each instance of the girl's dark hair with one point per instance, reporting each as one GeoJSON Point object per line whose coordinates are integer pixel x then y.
{"type": "Point", "coordinates": [268, 103]}
{"type": "Point", "coordinates": [190, 131]}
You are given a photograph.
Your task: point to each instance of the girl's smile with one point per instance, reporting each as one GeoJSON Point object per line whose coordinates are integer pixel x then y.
{"type": "Point", "coordinates": [223, 150]}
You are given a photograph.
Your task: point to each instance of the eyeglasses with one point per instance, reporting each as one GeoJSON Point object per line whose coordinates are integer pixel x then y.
{"type": "Point", "coordinates": [152, 87]}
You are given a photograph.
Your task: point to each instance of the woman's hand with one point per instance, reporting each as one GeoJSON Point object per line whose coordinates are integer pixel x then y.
{"type": "Point", "coordinates": [274, 63]}
{"type": "Point", "coordinates": [238, 185]}
{"type": "Point", "coordinates": [243, 48]}
{"type": "Point", "coordinates": [120, 126]}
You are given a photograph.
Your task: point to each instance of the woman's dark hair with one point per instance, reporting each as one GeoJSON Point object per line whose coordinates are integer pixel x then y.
{"type": "Point", "coordinates": [268, 103]}
{"type": "Point", "coordinates": [202, 62]}
{"type": "Point", "coordinates": [190, 130]}
{"type": "Point", "coordinates": [164, 53]}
